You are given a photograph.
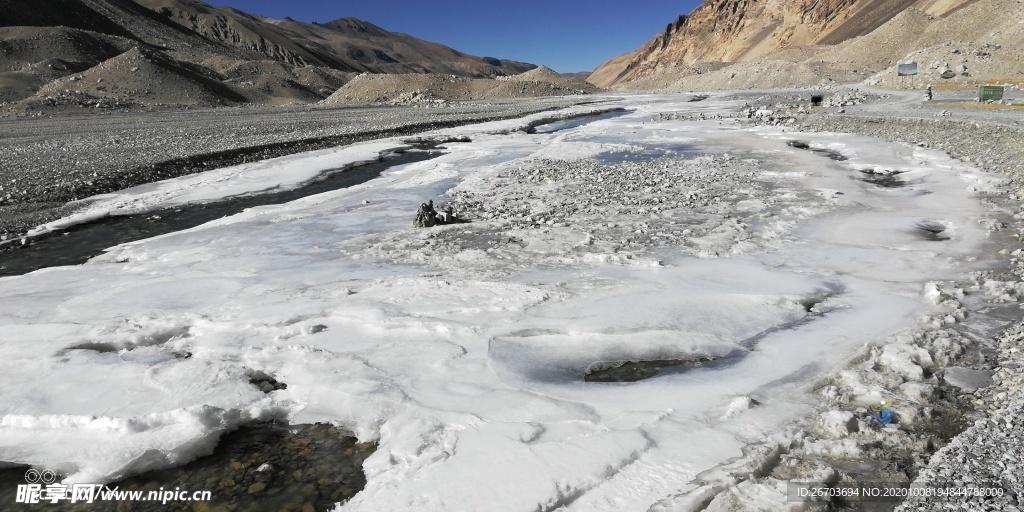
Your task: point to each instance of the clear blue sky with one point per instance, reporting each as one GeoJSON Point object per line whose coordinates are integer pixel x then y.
{"type": "Point", "coordinates": [565, 35]}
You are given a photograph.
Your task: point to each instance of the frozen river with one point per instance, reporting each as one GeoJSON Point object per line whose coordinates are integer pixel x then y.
{"type": "Point", "coordinates": [765, 256]}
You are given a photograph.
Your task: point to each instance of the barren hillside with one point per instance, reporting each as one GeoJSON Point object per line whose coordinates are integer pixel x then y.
{"type": "Point", "coordinates": [780, 43]}
{"type": "Point", "coordinates": [367, 47]}
{"type": "Point", "coordinates": [346, 44]}
{"type": "Point", "coordinates": [437, 89]}
{"type": "Point", "coordinates": [68, 56]}
{"type": "Point", "coordinates": [143, 76]}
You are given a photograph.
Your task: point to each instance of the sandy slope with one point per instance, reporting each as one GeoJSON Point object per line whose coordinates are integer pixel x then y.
{"type": "Point", "coordinates": [438, 90]}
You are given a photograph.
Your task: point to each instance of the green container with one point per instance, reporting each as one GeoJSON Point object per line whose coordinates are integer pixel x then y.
{"type": "Point", "coordinates": [990, 92]}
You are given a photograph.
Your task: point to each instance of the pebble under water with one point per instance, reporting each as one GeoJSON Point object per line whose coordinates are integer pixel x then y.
{"type": "Point", "coordinates": [257, 468]}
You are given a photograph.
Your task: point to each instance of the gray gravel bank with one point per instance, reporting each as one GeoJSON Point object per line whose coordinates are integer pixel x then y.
{"type": "Point", "coordinates": [989, 455]}
{"type": "Point", "coordinates": [994, 147]}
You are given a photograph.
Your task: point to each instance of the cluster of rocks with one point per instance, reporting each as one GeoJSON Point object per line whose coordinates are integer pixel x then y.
{"type": "Point", "coordinates": [846, 98]}
{"type": "Point", "coordinates": [908, 371]}
{"type": "Point", "coordinates": [550, 212]}
{"type": "Point", "coordinates": [264, 381]}
{"type": "Point", "coordinates": [418, 98]}
{"type": "Point", "coordinates": [772, 116]}
{"type": "Point", "coordinates": [988, 456]}
{"type": "Point", "coordinates": [587, 189]}
{"type": "Point", "coordinates": [948, 73]}
{"type": "Point", "coordinates": [676, 116]}
{"type": "Point", "coordinates": [958, 61]}
{"type": "Point", "coordinates": [83, 100]}
{"type": "Point", "coordinates": [843, 446]}
{"type": "Point", "coordinates": [427, 216]}
{"type": "Point", "coordinates": [780, 109]}
{"type": "Point", "coordinates": [830, 96]}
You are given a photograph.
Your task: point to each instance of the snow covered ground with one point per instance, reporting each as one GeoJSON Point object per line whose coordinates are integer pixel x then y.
{"type": "Point", "coordinates": [462, 348]}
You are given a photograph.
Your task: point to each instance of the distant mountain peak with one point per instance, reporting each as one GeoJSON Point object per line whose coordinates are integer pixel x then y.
{"type": "Point", "coordinates": [356, 25]}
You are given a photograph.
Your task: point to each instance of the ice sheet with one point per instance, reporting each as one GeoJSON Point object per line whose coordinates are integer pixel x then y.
{"type": "Point", "coordinates": [462, 348]}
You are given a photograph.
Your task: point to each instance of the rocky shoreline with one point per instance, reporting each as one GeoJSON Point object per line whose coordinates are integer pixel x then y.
{"type": "Point", "coordinates": [989, 452]}
{"type": "Point", "coordinates": [955, 387]}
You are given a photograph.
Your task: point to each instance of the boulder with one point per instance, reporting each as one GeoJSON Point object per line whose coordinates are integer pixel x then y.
{"type": "Point", "coordinates": [427, 216]}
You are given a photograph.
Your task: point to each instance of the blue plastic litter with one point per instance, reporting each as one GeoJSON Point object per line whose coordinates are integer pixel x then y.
{"type": "Point", "coordinates": [884, 416]}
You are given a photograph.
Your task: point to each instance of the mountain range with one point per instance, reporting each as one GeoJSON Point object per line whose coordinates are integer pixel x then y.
{"type": "Point", "coordinates": [156, 53]}
{"type": "Point", "coordinates": [100, 55]}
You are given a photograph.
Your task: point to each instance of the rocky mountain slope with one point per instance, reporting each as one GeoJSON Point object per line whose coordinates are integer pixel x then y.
{"type": "Point", "coordinates": [63, 55]}
{"type": "Point", "coordinates": [435, 89]}
{"type": "Point", "coordinates": [346, 44]}
{"type": "Point", "coordinates": [782, 43]}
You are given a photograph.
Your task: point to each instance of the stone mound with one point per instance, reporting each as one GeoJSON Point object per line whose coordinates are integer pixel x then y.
{"type": "Point", "coordinates": [30, 57]}
{"type": "Point", "coordinates": [270, 82]}
{"type": "Point", "coordinates": [540, 74]}
{"type": "Point", "coordinates": [546, 75]}
{"type": "Point", "coordinates": [140, 77]}
{"type": "Point", "coordinates": [403, 89]}
{"type": "Point", "coordinates": [530, 89]}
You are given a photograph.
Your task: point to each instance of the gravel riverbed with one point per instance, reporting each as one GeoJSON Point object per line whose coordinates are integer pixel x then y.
{"type": "Point", "coordinates": [47, 162]}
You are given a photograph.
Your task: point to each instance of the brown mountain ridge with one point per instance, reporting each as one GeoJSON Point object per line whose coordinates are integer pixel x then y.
{"type": "Point", "coordinates": [727, 44]}
{"type": "Point", "coordinates": [62, 53]}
